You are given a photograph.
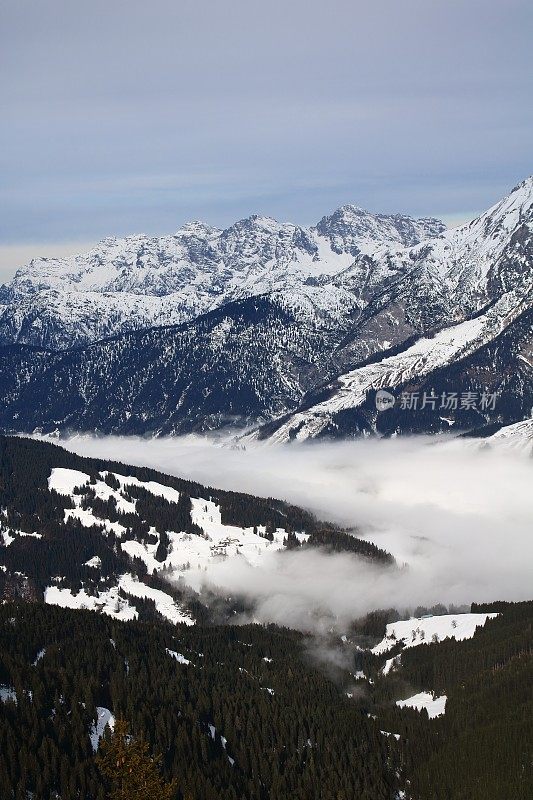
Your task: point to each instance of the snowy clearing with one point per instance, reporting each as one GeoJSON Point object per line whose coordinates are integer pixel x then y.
{"type": "Point", "coordinates": [424, 630]}
{"type": "Point", "coordinates": [179, 657]}
{"type": "Point", "coordinates": [435, 706]}
{"type": "Point", "coordinates": [107, 602]}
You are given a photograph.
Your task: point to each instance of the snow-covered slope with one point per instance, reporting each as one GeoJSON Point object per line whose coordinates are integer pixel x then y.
{"type": "Point", "coordinates": [141, 281]}
{"type": "Point", "coordinates": [428, 359]}
{"type": "Point", "coordinates": [186, 553]}
{"type": "Point", "coordinates": [425, 630]}
{"type": "Point", "coordinates": [132, 543]}
{"type": "Point", "coordinates": [513, 437]}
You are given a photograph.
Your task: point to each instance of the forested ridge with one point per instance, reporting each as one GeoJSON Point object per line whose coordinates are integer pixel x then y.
{"type": "Point", "coordinates": [482, 747]}
{"type": "Point", "coordinates": [62, 547]}
{"type": "Point", "coordinates": [26, 465]}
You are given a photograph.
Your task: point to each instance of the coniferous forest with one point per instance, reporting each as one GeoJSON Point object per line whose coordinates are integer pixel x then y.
{"type": "Point", "coordinates": [243, 712]}
{"type": "Point", "coordinates": [218, 710]}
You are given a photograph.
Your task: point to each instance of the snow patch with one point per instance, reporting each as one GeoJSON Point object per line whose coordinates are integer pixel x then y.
{"type": "Point", "coordinates": [95, 562]}
{"type": "Point", "coordinates": [104, 718]}
{"type": "Point", "coordinates": [391, 664]}
{"type": "Point", "coordinates": [425, 630]}
{"type": "Point", "coordinates": [435, 706]}
{"type": "Point", "coordinates": [39, 655]}
{"type": "Point", "coordinates": [179, 657]}
{"type": "Point", "coordinates": [7, 694]}
{"type": "Point", "coordinates": [387, 733]}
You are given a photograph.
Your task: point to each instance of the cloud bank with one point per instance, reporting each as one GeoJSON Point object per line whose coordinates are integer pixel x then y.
{"type": "Point", "coordinates": [458, 518]}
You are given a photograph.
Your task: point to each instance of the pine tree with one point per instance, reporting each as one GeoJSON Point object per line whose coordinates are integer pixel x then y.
{"type": "Point", "coordinates": [130, 769]}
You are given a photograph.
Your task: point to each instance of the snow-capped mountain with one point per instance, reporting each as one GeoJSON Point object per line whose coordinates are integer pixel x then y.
{"type": "Point", "coordinates": [405, 292]}
{"type": "Point", "coordinates": [469, 291]}
{"type": "Point", "coordinates": [308, 335]}
{"type": "Point", "coordinates": [469, 264]}
{"type": "Point", "coordinates": [353, 230]}
{"type": "Point", "coordinates": [140, 281]}
{"type": "Point", "coordinates": [488, 357]}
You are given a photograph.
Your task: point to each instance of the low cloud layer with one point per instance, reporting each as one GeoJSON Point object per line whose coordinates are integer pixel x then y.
{"type": "Point", "coordinates": [458, 516]}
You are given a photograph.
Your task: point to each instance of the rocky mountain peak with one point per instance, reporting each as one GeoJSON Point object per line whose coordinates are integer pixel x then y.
{"type": "Point", "coordinates": [353, 230]}
{"type": "Point", "coordinates": [198, 229]}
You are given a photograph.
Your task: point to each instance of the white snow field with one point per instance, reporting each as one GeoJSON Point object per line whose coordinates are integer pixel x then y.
{"type": "Point", "coordinates": [435, 706]}
{"type": "Point", "coordinates": [189, 555]}
{"type": "Point", "coordinates": [424, 630]}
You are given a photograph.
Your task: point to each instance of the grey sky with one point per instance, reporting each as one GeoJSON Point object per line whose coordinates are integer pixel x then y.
{"type": "Point", "coordinates": [128, 116]}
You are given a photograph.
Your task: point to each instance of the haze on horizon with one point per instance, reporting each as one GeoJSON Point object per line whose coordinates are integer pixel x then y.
{"type": "Point", "coordinates": [128, 117]}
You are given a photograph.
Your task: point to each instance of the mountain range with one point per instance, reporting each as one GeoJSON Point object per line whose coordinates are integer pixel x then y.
{"type": "Point", "coordinates": [277, 329]}
{"type": "Point", "coordinates": [140, 281]}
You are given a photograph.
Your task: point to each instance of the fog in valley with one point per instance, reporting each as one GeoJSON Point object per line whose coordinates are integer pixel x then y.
{"type": "Point", "coordinates": [456, 515]}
